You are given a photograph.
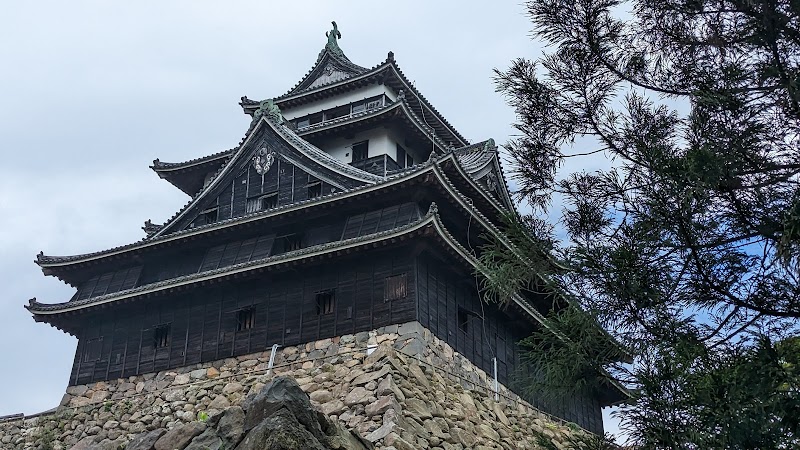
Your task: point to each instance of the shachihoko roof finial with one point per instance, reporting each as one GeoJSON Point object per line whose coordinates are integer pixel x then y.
{"type": "Point", "coordinates": [333, 36]}
{"type": "Point", "coordinates": [270, 110]}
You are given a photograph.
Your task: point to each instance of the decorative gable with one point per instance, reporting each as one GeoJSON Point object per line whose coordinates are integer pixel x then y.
{"type": "Point", "coordinates": [272, 168]}
{"type": "Point", "coordinates": [332, 66]}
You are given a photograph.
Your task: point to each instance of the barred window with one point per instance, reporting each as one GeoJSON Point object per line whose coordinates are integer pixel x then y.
{"type": "Point", "coordinates": [395, 287]}
{"type": "Point", "coordinates": [325, 302]}
{"type": "Point", "coordinates": [210, 215]}
{"type": "Point", "coordinates": [161, 336]}
{"type": "Point", "coordinates": [264, 202]}
{"type": "Point", "coordinates": [245, 318]}
{"type": "Point", "coordinates": [314, 189]}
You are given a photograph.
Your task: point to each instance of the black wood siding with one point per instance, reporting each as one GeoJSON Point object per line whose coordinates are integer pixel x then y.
{"type": "Point", "coordinates": [442, 294]}
{"type": "Point", "coordinates": [203, 322]}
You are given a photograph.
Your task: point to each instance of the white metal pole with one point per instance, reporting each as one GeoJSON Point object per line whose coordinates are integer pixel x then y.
{"type": "Point", "coordinates": [496, 384]}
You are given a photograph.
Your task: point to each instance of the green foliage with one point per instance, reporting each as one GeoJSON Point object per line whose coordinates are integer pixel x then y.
{"type": "Point", "coordinates": [202, 416]}
{"type": "Point", "coordinates": [685, 245]}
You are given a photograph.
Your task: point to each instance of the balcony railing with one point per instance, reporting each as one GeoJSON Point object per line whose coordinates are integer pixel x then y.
{"type": "Point", "coordinates": [378, 165]}
{"type": "Point", "coordinates": [348, 110]}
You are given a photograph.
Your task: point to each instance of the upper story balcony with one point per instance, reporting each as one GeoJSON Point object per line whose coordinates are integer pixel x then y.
{"type": "Point", "coordinates": [378, 165]}
{"type": "Point", "coordinates": [344, 111]}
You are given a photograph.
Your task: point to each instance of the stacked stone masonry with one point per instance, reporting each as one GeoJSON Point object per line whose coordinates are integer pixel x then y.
{"type": "Point", "coordinates": [398, 387]}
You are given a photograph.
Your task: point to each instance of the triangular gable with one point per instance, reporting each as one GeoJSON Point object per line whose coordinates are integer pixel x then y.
{"type": "Point", "coordinates": [332, 66]}
{"type": "Point", "coordinates": [272, 160]}
{"type": "Point", "coordinates": [481, 162]}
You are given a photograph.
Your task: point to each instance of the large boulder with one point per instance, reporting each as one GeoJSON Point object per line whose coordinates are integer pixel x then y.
{"type": "Point", "coordinates": [280, 431]}
{"type": "Point", "coordinates": [146, 440]}
{"type": "Point", "coordinates": [230, 427]}
{"type": "Point", "coordinates": [281, 393]}
{"type": "Point", "coordinates": [208, 440]}
{"type": "Point", "coordinates": [178, 438]}
{"type": "Point", "coordinates": [280, 417]}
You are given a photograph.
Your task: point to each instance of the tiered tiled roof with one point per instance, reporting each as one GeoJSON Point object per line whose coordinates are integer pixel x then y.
{"type": "Point", "coordinates": [354, 76]}
{"type": "Point", "coordinates": [47, 261]}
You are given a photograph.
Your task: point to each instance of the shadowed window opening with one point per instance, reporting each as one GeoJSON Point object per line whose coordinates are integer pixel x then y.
{"type": "Point", "coordinates": [325, 302]}
{"type": "Point", "coordinates": [245, 318]}
{"type": "Point", "coordinates": [161, 336]}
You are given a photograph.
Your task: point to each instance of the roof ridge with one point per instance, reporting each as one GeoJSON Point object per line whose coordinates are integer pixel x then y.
{"type": "Point", "coordinates": [160, 165]}
{"type": "Point", "coordinates": [334, 53]}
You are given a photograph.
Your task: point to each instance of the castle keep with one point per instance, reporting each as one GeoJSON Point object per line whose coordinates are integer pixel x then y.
{"type": "Point", "coordinates": [350, 204]}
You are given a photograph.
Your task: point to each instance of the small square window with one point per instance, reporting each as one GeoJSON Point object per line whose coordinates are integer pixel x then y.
{"type": "Point", "coordinates": [360, 151]}
{"type": "Point", "coordinates": [293, 242]}
{"type": "Point", "coordinates": [287, 243]}
{"type": "Point", "coordinates": [325, 302]}
{"type": "Point", "coordinates": [210, 215]}
{"type": "Point", "coordinates": [161, 336]}
{"type": "Point", "coordinates": [245, 318]}
{"type": "Point", "coordinates": [314, 189]}
{"type": "Point", "coordinates": [395, 287]}
{"type": "Point", "coordinates": [268, 201]}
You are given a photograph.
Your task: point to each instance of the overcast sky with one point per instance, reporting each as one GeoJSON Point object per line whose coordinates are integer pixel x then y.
{"type": "Point", "coordinates": [92, 91]}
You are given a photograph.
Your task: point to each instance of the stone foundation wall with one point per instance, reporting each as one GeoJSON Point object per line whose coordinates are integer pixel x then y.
{"type": "Point", "coordinates": [398, 386]}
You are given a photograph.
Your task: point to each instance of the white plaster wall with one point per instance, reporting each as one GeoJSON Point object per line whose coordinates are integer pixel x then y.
{"type": "Point", "coordinates": [380, 143]}
{"type": "Point", "coordinates": [338, 100]}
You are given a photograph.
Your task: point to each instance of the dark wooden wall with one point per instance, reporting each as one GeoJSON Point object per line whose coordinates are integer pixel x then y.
{"type": "Point", "coordinates": [290, 182]}
{"type": "Point", "coordinates": [203, 323]}
{"type": "Point", "coordinates": [447, 299]}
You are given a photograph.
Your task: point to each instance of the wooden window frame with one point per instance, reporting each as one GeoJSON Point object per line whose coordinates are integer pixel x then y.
{"type": "Point", "coordinates": [325, 302]}
{"type": "Point", "coordinates": [162, 335]}
{"type": "Point", "coordinates": [314, 189]}
{"type": "Point", "coordinates": [395, 287]}
{"type": "Point", "coordinates": [245, 318]}
{"type": "Point", "coordinates": [268, 201]}
{"type": "Point", "coordinates": [206, 213]}
{"type": "Point", "coordinates": [365, 149]}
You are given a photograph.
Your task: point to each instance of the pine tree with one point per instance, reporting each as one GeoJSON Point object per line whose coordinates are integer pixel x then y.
{"type": "Point", "coordinates": [687, 248]}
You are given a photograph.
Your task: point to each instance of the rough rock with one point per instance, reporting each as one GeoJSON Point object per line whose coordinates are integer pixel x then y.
{"type": "Point", "coordinates": [178, 438]}
{"type": "Point", "coordinates": [146, 440]}
{"type": "Point", "coordinates": [280, 417]}
{"type": "Point", "coordinates": [208, 440]}
{"type": "Point", "coordinates": [280, 393]}
{"type": "Point", "coordinates": [231, 426]}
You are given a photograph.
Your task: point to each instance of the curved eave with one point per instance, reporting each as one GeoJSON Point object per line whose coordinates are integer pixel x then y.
{"type": "Point", "coordinates": [387, 73]}
{"type": "Point", "coordinates": [164, 167]}
{"type": "Point", "coordinates": [42, 310]}
{"type": "Point", "coordinates": [53, 265]}
{"type": "Point", "coordinates": [442, 126]}
{"type": "Point", "coordinates": [481, 164]}
{"type": "Point", "coordinates": [62, 266]}
{"type": "Point", "coordinates": [189, 176]}
{"type": "Point", "coordinates": [431, 221]}
{"type": "Point", "coordinates": [472, 184]}
{"type": "Point", "coordinates": [384, 113]}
